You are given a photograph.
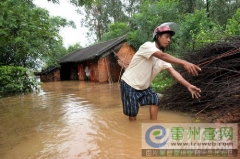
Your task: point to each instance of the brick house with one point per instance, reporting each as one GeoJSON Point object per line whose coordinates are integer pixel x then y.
{"type": "Point", "coordinates": [103, 62]}
{"type": "Point", "coordinates": [50, 74]}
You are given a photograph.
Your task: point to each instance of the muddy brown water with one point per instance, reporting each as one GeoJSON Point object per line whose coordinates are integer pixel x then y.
{"type": "Point", "coordinates": [71, 120]}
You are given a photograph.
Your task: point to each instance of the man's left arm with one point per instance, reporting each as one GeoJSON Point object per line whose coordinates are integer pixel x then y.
{"type": "Point", "coordinates": [195, 91]}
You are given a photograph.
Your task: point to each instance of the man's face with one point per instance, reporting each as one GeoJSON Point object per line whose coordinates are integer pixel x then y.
{"type": "Point", "coordinates": [164, 39]}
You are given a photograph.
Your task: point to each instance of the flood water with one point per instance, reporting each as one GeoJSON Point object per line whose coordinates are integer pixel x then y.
{"type": "Point", "coordinates": [73, 120]}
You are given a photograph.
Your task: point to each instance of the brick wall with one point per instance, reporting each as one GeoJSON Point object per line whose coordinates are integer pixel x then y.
{"type": "Point", "coordinates": [80, 72]}
{"type": "Point", "coordinates": [103, 67]}
{"type": "Point", "coordinates": [108, 68]}
{"type": "Point", "coordinates": [95, 71]}
{"type": "Point", "coordinates": [115, 69]}
{"type": "Point", "coordinates": [125, 54]}
{"type": "Point", "coordinates": [51, 76]}
{"type": "Point", "coordinates": [57, 75]}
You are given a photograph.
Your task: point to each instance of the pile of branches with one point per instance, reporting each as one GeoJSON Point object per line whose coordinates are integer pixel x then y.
{"type": "Point", "coordinates": [219, 81]}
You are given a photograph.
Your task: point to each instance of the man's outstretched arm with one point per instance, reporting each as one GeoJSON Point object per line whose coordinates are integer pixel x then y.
{"type": "Point", "coordinates": [191, 68]}
{"type": "Point", "coordinates": [195, 91]}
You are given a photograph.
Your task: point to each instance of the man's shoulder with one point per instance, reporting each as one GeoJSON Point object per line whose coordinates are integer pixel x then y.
{"type": "Point", "coordinates": [148, 43]}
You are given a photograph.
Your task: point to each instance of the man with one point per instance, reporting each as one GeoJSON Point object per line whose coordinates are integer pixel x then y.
{"type": "Point", "coordinates": [147, 62]}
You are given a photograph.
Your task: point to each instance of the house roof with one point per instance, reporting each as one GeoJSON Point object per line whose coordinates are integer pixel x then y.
{"type": "Point", "coordinates": [93, 51]}
{"type": "Point", "coordinates": [48, 70]}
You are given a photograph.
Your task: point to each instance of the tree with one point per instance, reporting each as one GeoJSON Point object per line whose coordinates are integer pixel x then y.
{"type": "Point", "coordinates": [149, 17]}
{"type": "Point", "coordinates": [116, 30]}
{"type": "Point", "coordinates": [233, 24]}
{"type": "Point", "coordinates": [187, 6]}
{"type": "Point", "coordinates": [28, 33]}
{"type": "Point", "coordinates": [99, 14]}
{"type": "Point", "coordinates": [190, 26]}
{"type": "Point", "coordinates": [131, 7]}
{"type": "Point", "coordinates": [76, 2]}
{"type": "Point", "coordinates": [74, 47]}
{"type": "Point", "coordinates": [221, 10]}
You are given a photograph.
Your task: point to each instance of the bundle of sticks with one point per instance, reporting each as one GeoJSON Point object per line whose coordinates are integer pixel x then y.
{"type": "Point", "coordinates": [219, 81]}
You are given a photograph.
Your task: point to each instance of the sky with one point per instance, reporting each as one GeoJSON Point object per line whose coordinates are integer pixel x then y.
{"type": "Point", "coordinates": [66, 10]}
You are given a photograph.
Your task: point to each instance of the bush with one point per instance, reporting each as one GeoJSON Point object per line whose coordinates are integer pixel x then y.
{"type": "Point", "coordinates": [15, 79]}
{"type": "Point", "coordinates": [162, 81]}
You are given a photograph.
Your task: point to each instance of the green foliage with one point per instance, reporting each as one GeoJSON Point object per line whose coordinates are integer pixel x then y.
{"type": "Point", "coordinates": [82, 2]}
{"type": "Point", "coordinates": [116, 30]}
{"type": "Point", "coordinates": [53, 58]}
{"type": "Point", "coordinates": [149, 17]}
{"type": "Point", "coordinates": [133, 39]}
{"type": "Point", "coordinates": [143, 16]}
{"type": "Point", "coordinates": [75, 2]}
{"type": "Point", "coordinates": [233, 24]}
{"type": "Point", "coordinates": [28, 33]}
{"type": "Point", "coordinates": [190, 27]}
{"type": "Point", "coordinates": [74, 47]}
{"type": "Point", "coordinates": [208, 35]}
{"type": "Point", "coordinates": [222, 10]}
{"type": "Point", "coordinates": [162, 81]}
{"type": "Point", "coordinates": [100, 13]}
{"type": "Point", "coordinates": [59, 52]}
{"type": "Point", "coordinates": [15, 79]}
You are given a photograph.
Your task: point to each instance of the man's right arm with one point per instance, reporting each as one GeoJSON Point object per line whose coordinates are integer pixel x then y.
{"type": "Point", "coordinates": [191, 68]}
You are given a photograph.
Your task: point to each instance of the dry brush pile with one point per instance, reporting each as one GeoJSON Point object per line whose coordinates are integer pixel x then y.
{"type": "Point", "coordinates": [219, 81]}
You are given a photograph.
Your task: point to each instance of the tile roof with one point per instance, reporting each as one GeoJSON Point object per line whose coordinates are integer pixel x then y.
{"type": "Point", "coordinates": [48, 70]}
{"type": "Point", "coordinates": [93, 51]}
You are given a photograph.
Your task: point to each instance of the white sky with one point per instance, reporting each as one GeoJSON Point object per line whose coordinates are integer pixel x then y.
{"type": "Point", "coordinates": [68, 11]}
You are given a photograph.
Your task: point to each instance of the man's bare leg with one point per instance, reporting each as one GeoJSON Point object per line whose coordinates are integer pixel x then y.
{"type": "Point", "coordinates": [132, 118]}
{"type": "Point", "coordinates": [153, 110]}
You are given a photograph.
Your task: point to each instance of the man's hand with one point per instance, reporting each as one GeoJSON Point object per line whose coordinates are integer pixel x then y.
{"type": "Point", "coordinates": [194, 91]}
{"type": "Point", "coordinates": [191, 68]}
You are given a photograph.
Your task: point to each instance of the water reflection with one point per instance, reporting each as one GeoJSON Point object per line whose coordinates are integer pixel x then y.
{"type": "Point", "coordinates": [68, 120]}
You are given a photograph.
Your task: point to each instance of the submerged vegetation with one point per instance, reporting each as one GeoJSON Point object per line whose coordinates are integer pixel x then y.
{"type": "Point", "coordinates": [16, 80]}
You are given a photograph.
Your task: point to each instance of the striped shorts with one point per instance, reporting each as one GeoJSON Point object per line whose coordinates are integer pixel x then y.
{"type": "Point", "coordinates": [132, 98]}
